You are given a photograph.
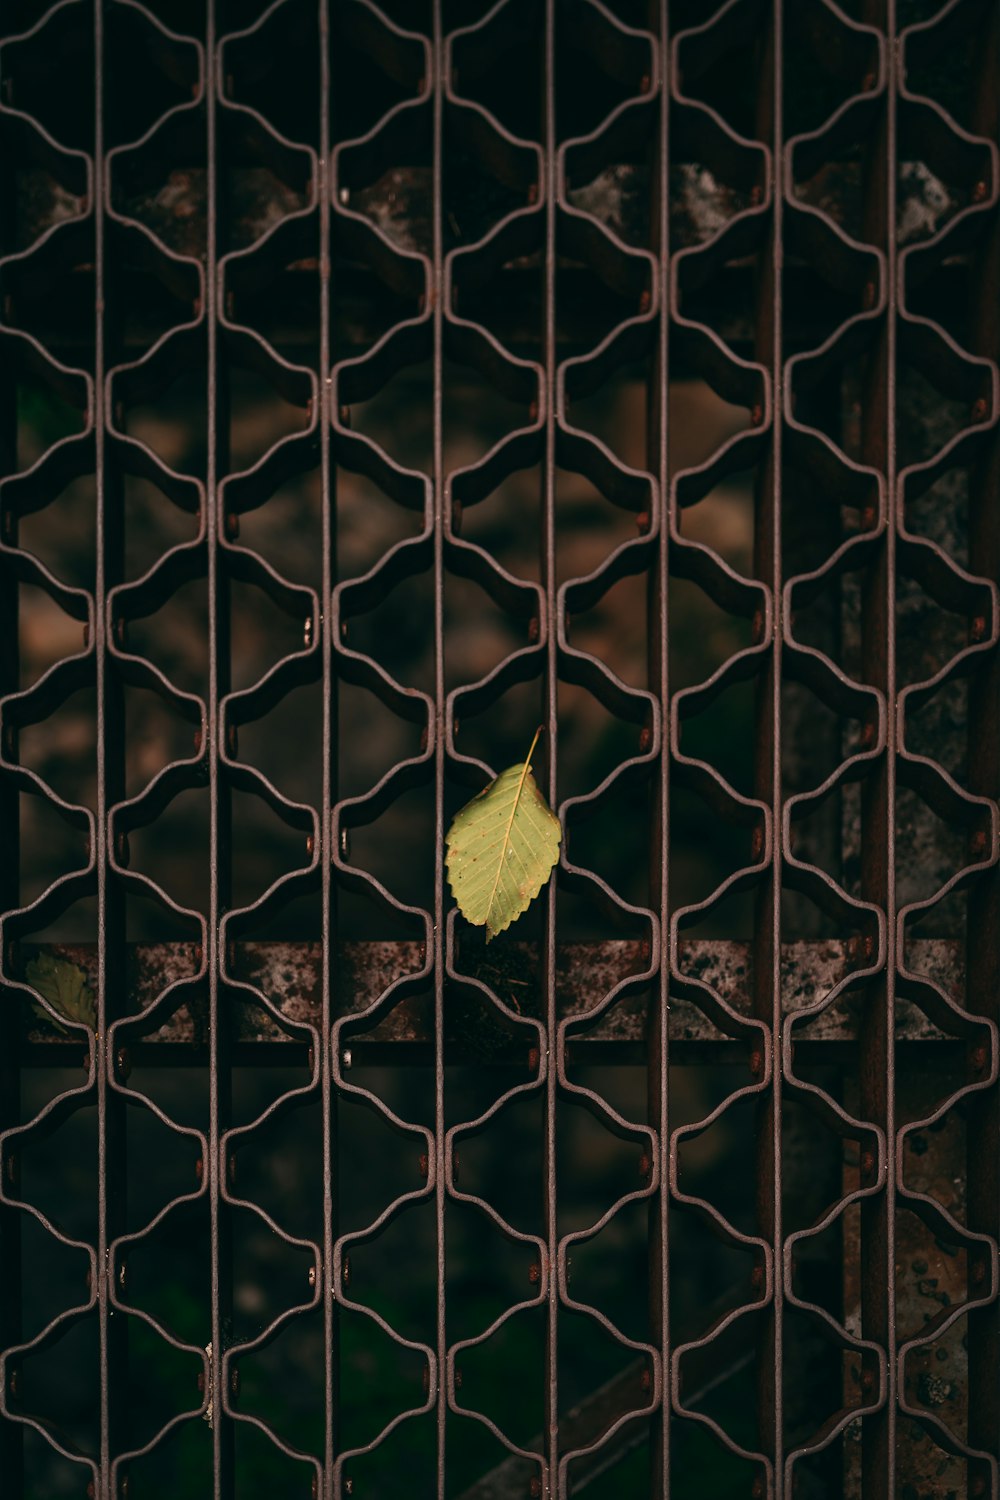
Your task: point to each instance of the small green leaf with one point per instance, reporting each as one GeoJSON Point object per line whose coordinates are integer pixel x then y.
{"type": "Point", "coordinates": [64, 986]}
{"type": "Point", "coordinates": [501, 849]}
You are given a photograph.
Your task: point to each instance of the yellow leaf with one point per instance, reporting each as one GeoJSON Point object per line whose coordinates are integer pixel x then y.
{"type": "Point", "coordinates": [501, 848]}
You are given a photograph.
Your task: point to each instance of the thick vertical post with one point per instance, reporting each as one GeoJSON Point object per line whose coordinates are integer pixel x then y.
{"type": "Point", "coordinates": [441, 500]}
{"type": "Point", "coordinates": [659, 673]}
{"type": "Point", "coordinates": [330, 758]}
{"type": "Point", "coordinates": [768, 784]}
{"type": "Point", "coordinates": [11, 1433]}
{"type": "Point", "coordinates": [111, 1180]}
{"type": "Point", "coordinates": [219, 796]}
{"type": "Point", "coordinates": [551, 712]}
{"type": "Point", "coordinates": [878, 856]}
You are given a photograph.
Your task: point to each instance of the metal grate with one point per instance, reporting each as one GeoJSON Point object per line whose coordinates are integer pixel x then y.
{"type": "Point", "coordinates": [377, 381]}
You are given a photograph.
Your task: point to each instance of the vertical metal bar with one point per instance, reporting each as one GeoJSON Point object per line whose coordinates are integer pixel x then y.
{"type": "Point", "coordinates": [551, 699]}
{"type": "Point", "coordinates": [659, 1020]}
{"type": "Point", "coordinates": [11, 1433]}
{"type": "Point", "coordinates": [768, 771]}
{"type": "Point", "coordinates": [110, 778]}
{"type": "Point", "coordinates": [878, 878]}
{"type": "Point", "coordinates": [983, 920]}
{"type": "Point", "coordinates": [983, 965]}
{"type": "Point", "coordinates": [219, 809]}
{"type": "Point", "coordinates": [441, 499]}
{"type": "Point", "coordinates": [330, 751]}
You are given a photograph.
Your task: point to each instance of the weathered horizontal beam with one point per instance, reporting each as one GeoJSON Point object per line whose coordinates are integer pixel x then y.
{"type": "Point", "coordinates": [289, 974]}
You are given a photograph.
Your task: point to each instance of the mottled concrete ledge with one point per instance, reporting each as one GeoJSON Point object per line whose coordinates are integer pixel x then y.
{"type": "Point", "coordinates": [289, 974]}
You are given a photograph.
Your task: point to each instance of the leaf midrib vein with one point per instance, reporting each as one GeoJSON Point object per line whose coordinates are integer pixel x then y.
{"type": "Point", "coordinates": [525, 771]}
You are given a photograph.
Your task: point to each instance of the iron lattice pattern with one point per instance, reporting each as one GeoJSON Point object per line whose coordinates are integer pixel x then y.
{"type": "Point", "coordinates": [377, 383]}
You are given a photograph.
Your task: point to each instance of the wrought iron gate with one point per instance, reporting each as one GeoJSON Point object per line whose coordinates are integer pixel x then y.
{"type": "Point", "coordinates": [378, 380]}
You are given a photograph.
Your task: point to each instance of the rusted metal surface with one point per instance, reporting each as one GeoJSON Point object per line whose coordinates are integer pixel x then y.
{"type": "Point", "coordinates": [593, 213]}
{"type": "Point", "coordinates": [932, 1279]}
